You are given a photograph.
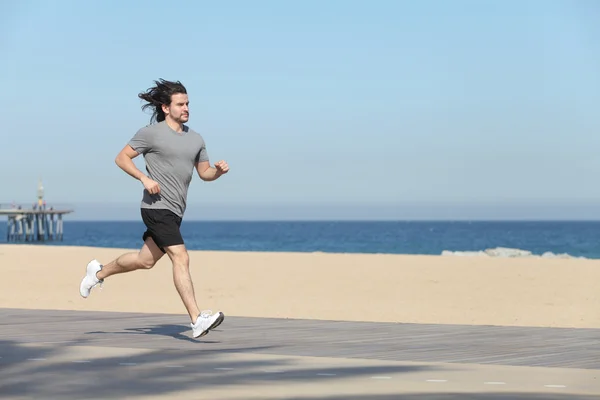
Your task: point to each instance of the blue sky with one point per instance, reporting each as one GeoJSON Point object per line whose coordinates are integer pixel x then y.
{"type": "Point", "coordinates": [323, 109]}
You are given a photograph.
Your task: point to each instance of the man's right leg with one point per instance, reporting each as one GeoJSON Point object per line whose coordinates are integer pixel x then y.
{"type": "Point", "coordinates": [146, 258]}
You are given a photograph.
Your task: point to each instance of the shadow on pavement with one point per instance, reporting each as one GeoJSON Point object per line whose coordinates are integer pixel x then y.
{"type": "Point", "coordinates": [35, 371]}
{"type": "Point", "coordinates": [47, 372]}
{"type": "Point", "coordinates": [175, 331]}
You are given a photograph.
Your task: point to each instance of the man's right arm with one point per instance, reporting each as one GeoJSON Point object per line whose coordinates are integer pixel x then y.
{"type": "Point", "coordinates": [125, 161]}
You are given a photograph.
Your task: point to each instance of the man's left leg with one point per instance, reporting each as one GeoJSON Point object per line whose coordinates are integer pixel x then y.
{"type": "Point", "coordinates": [183, 279]}
{"type": "Point", "coordinates": [202, 322]}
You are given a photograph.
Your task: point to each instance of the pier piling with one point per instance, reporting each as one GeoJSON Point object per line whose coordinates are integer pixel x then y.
{"type": "Point", "coordinates": [32, 225]}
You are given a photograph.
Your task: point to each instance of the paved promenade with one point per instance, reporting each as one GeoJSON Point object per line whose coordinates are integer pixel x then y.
{"type": "Point", "coordinates": [89, 355]}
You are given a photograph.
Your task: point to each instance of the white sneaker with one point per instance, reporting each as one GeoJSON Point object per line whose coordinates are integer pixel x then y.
{"type": "Point", "coordinates": [90, 280]}
{"type": "Point", "coordinates": [206, 322]}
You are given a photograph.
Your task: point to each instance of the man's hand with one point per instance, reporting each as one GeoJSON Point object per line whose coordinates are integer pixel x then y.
{"type": "Point", "coordinates": [221, 167]}
{"type": "Point", "coordinates": [150, 185]}
{"type": "Point", "coordinates": [208, 173]}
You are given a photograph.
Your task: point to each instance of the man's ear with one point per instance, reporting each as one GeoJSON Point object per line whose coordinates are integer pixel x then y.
{"type": "Point", "coordinates": [165, 108]}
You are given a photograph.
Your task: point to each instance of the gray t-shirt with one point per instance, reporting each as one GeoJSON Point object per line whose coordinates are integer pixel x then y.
{"type": "Point", "coordinates": [170, 161]}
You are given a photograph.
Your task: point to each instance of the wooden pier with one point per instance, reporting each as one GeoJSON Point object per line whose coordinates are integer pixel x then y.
{"type": "Point", "coordinates": [34, 225]}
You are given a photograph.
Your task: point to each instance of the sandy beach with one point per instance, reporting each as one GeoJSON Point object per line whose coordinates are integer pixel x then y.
{"type": "Point", "coordinates": [353, 287]}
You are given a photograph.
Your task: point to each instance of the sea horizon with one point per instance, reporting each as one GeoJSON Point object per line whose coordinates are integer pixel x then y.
{"type": "Point", "coordinates": [549, 238]}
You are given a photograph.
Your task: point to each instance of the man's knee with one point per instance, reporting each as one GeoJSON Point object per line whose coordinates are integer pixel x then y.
{"type": "Point", "coordinates": [146, 262]}
{"type": "Point", "coordinates": [149, 254]}
{"type": "Point", "coordinates": [182, 259]}
{"type": "Point", "coordinates": [179, 255]}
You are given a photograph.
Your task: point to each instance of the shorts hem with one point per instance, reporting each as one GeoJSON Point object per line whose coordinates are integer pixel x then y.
{"type": "Point", "coordinates": [161, 243]}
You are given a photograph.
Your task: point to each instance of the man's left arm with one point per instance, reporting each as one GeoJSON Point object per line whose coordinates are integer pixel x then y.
{"type": "Point", "coordinates": [208, 173]}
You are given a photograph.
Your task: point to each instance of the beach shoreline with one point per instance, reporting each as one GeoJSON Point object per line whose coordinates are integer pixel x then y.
{"type": "Point", "coordinates": [431, 289]}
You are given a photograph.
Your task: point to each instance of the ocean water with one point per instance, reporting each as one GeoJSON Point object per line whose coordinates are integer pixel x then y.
{"type": "Point", "coordinates": [578, 239]}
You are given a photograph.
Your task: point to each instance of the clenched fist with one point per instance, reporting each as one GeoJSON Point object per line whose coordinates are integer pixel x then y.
{"type": "Point", "coordinates": [150, 185]}
{"type": "Point", "coordinates": [221, 167]}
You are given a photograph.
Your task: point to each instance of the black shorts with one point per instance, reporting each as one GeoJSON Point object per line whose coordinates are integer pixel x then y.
{"type": "Point", "coordinates": [162, 226]}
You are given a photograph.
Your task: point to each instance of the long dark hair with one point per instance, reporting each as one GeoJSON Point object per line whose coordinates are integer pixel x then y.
{"type": "Point", "coordinates": [158, 95]}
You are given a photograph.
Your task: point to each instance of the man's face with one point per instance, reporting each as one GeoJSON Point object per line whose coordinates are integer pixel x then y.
{"type": "Point", "coordinates": [178, 110]}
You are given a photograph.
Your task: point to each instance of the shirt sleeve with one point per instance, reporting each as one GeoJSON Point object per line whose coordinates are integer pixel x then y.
{"type": "Point", "coordinates": [202, 153]}
{"type": "Point", "coordinates": [141, 141]}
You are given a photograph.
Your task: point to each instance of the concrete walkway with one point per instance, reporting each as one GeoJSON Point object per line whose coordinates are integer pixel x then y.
{"type": "Point", "coordinates": [84, 355]}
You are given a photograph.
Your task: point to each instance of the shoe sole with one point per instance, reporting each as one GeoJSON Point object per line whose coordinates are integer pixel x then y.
{"type": "Point", "coordinates": [217, 322]}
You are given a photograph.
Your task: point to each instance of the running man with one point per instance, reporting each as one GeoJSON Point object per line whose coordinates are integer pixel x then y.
{"type": "Point", "coordinates": [171, 151]}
